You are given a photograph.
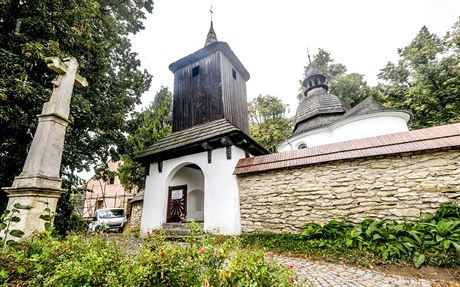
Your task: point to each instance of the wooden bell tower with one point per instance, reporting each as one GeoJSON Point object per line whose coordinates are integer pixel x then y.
{"type": "Point", "coordinates": [210, 84]}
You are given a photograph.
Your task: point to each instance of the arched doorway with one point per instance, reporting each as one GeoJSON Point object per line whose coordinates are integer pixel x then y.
{"type": "Point", "coordinates": [186, 195]}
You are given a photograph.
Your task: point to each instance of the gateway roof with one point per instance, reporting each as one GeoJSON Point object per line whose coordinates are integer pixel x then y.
{"type": "Point", "coordinates": [191, 140]}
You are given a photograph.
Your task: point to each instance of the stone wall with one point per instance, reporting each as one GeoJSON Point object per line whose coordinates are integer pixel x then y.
{"type": "Point", "coordinates": [136, 214]}
{"type": "Point", "coordinates": [395, 187]}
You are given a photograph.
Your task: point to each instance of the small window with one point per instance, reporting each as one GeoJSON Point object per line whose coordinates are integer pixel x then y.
{"type": "Point", "coordinates": [111, 180]}
{"type": "Point", "coordinates": [302, 146]}
{"type": "Point", "coordinates": [234, 73]}
{"type": "Point", "coordinates": [196, 71]}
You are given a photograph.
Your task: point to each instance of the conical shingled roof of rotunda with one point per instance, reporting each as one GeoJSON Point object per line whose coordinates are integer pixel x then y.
{"type": "Point", "coordinates": [319, 108]}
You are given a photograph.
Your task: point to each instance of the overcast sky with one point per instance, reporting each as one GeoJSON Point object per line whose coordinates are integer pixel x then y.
{"type": "Point", "coordinates": [271, 37]}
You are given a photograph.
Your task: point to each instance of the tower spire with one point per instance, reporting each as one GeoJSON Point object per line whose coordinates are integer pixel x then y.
{"type": "Point", "coordinates": [212, 37]}
{"type": "Point", "coordinates": [314, 79]}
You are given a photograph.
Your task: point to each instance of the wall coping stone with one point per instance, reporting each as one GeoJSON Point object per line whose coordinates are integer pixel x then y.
{"type": "Point", "coordinates": [446, 136]}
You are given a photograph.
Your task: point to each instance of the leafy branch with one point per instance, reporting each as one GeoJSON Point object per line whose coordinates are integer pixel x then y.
{"type": "Point", "coordinates": [8, 218]}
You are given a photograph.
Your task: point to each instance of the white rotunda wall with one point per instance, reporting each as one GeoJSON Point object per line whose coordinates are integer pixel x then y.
{"type": "Point", "coordinates": [363, 126]}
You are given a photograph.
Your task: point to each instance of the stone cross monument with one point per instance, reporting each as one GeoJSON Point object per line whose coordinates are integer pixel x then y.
{"type": "Point", "coordinates": [39, 184]}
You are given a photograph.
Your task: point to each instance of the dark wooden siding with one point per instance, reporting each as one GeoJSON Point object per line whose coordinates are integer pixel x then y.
{"type": "Point", "coordinates": [234, 96]}
{"type": "Point", "coordinates": [198, 100]}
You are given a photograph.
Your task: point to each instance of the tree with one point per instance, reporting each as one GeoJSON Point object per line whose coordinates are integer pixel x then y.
{"type": "Point", "coordinates": [426, 79]}
{"type": "Point", "coordinates": [146, 127]}
{"type": "Point", "coordinates": [96, 33]}
{"type": "Point", "coordinates": [268, 124]}
{"type": "Point", "coordinates": [349, 86]}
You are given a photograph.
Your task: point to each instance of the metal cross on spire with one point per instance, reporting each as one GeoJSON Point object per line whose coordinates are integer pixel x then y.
{"type": "Point", "coordinates": [309, 59]}
{"type": "Point", "coordinates": [211, 38]}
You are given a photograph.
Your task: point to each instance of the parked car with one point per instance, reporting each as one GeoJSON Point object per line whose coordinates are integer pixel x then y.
{"type": "Point", "coordinates": [107, 219]}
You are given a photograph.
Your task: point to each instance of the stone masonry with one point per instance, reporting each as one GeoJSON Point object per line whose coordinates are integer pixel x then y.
{"type": "Point", "coordinates": [399, 187]}
{"type": "Point", "coordinates": [136, 214]}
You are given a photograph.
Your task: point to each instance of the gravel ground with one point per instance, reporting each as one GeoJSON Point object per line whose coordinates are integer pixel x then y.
{"type": "Point", "coordinates": [333, 274]}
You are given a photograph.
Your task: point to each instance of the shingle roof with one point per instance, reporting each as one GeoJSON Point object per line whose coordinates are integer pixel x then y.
{"type": "Point", "coordinates": [196, 135]}
{"type": "Point", "coordinates": [319, 103]}
{"type": "Point", "coordinates": [311, 118]}
{"type": "Point", "coordinates": [312, 70]}
{"type": "Point", "coordinates": [417, 140]}
{"type": "Point", "coordinates": [207, 50]}
{"type": "Point", "coordinates": [191, 135]}
{"type": "Point", "coordinates": [316, 123]}
{"type": "Point", "coordinates": [211, 37]}
{"type": "Point", "coordinates": [368, 106]}
{"type": "Point", "coordinates": [320, 108]}
{"type": "Point", "coordinates": [138, 197]}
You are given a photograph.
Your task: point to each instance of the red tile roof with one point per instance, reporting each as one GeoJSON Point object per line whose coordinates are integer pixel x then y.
{"type": "Point", "coordinates": [417, 140]}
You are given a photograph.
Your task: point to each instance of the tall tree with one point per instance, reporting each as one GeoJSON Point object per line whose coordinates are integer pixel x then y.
{"type": "Point", "coordinates": [146, 128]}
{"type": "Point", "coordinates": [96, 33]}
{"type": "Point", "coordinates": [426, 79]}
{"type": "Point", "coordinates": [268, 124]}
{"type": "Point", "coordinates": [349, 86]}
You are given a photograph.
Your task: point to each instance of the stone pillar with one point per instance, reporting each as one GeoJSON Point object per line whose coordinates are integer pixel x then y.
{"type": "Point", "coordinates": [39, 184]}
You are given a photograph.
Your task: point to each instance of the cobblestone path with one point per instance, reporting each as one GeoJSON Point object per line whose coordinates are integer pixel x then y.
{"type": "Point", "coordinates": [329, 274]}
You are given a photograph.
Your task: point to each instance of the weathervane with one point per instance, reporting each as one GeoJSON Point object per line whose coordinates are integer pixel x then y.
{"type": "Point", "coordinates": [308, 53]}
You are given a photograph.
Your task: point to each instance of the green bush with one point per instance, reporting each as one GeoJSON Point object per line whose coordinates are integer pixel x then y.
{"type": "Point", "coordinates": [434, 240]}
{"type": "Point", "coordinates": [7, 221]}
{"type": "Point", "coordinates": [77, 223]}
{"type": "Point", "coordinates": [43, 260]}
{"type": "Point", "coordinates": [204, 262]}
{"type": "Point", "coordinates": [100, 261]}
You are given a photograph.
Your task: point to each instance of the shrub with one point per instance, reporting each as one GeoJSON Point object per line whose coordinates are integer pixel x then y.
{"type": "Point", "coordinates": [434, 240]}
{"type": "Point", "coordinates": [77, 223]}
{"type": "Point", "coordinates": [7, 220]}
{"type": "Point", "coordinates": [43, 260]}
{"type": "Point", "coordinates": [97, 260]}
{"type": "Point", "coordinates": [204, 262]}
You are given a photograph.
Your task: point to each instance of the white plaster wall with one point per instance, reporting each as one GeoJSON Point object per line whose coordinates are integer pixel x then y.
{"type": "Point", "coordinates": [193, 178]}
{"type": "Point", "coordinates": [221, 195]}
{"type": "Point", "coordinates": [354, 128]}
{"type": "Point", "coordinates": [195, 204]}
{"type": "Point", "coordinates": [370, 127]}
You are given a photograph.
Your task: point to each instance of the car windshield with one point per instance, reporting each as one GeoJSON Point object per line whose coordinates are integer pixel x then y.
{"type": "Point", "coordinates": [111, 213]}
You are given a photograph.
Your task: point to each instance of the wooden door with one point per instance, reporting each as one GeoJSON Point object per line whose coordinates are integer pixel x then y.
{"type": "Point", "coordinates": [177, 203]}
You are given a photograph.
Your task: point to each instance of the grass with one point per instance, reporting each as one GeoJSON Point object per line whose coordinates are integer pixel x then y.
{"type": "Point", "coordinates": [294, 245]}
